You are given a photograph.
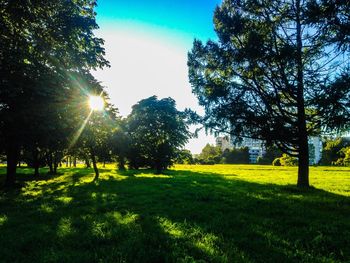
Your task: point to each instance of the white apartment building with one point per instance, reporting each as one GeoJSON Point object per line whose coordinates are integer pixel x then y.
{"type": "Point", "coordinates": [224, 142]}
{"type": "Point", "coordinates": [315, 150]}
{"type": "Point", "coordinates": [257, 147]}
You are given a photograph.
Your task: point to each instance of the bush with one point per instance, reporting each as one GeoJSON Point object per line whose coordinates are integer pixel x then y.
{"type": "Point", "coordinates": [236, 156]}
{"type": "Point", "coordinates": [210, 162]}
{"type": "Point", "coordinates": [287, 160]}
{"type": "Point", "coordinates": [334, 151]}
{"type": "Point", "coordinates": [270, 155]}
{"type": "Point", "coordinates": [276, 162]}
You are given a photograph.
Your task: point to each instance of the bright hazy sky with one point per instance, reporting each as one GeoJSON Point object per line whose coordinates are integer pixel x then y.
{"type": "Point", "coordinates": [146, 42]}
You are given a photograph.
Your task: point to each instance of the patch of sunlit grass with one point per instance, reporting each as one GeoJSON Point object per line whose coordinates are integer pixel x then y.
{"type": "Point", "coordinates": [64, 227]}
{"type": "Point", "coordinates": [142, 175]}
{"type": "Point", "coordinates": [3, 219]}
{"type": "Point", "coordinates": [64, 199]}
{"type": "Point", "coordinates": [332, 179]}
{"type": "Point", "coordinates": [216, 213]}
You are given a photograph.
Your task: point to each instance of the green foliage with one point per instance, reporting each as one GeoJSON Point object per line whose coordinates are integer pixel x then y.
{"type": "Point", "coordinates": [95, 138]}
{"type": "Point", "coordinates": [277, 162]}
{"type": "Point", "coordinates": [236, 156]}
{"type": "Point", "coordinates": [184, 157]}
{"type": "Point", "coordinates": [332, 152]}
{"type": "Point", "coordinates": [157, 131]}
{"type": "Point", "coordinates": [47, 49]}
{"type": "Point", "coordinates": [270, 155]}
{"type": "Point", "coordinates": [346, 152]}
{"type": "Point", "coordinates": [194, 213]}
{"type": "Point", "coordinates": [262, 78]}
{"type": "Point", "coordinates": [121, 144]}
{"type": "Point", "coordinates": [210, 154]}
{"type": "Point", "coordinates": [287, 160]}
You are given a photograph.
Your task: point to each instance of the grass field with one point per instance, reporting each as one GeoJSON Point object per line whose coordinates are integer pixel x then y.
{"type": "Point", "coordinates": [219, 213]}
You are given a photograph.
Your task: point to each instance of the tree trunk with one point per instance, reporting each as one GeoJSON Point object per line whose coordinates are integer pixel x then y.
{"type": "Point", "coordinates": [12, 154]}
{"type": "Point", "coordinates": [36, 162]}
{"type": "Point", "coordinates": [121, 163]}
{"type": "Point", "coordinates": [36, 170]}
{"type": "Point", "coordinates": [93, 158]}
{"type": "Point", "coordinates": [303, 168]}
{"type": "Point", "coordinates": [75, 161]}
{"type": "Point", "coordinates": [50, 163]}
{"type": "Point", "coordinates": [55, 165]}
{"type": "Point", "coordinates": [87, 163]}
{"type": "Point", "coordinates": [159, 168]}
{"type": "Point", "coordinates": [51, 168]}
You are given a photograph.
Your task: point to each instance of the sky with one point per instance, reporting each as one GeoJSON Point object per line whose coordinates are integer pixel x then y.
{"type": "Point", "coordinates": [146, 44]}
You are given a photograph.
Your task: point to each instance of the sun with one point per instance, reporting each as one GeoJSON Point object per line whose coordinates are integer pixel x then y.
{"type": "Point", "coordinates": [96, 103]}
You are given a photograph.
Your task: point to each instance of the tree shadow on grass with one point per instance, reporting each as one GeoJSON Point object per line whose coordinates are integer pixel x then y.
{"type": "Point", "coordinates": [186, 216]}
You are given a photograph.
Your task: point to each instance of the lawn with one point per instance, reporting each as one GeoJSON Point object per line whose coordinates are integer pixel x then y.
{"type": "Point", "coordinates": [219, 213]}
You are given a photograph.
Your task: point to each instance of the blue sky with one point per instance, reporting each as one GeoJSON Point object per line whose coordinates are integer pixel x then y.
{"type": "Point", "coordinates": [147, 43]}
{"type": "Point", "coordinates": [192, 18]}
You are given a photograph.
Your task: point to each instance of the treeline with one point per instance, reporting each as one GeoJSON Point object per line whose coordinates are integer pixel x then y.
{"type": "Point", "coordinates": [150, 137]}
{"type": "Point", "coordinates": [211, 154]}
{"type": "Point", "coordinates": [334, 152]}
{"type": "Point", "coordinates": [47, 52]}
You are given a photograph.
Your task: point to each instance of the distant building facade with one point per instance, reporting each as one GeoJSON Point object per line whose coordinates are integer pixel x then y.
{"type": "Point", "coordinates": [315, 150]}
{"type": "Point", "coordinates": [257, 147]}
{"type": "Point", "coordinates": [224, 142]}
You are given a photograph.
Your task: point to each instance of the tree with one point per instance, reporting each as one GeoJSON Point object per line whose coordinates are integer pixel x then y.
{"type": "Point", "coordinates": [287, 160]}
{"type": "Point", "coordinates": [120, 143]}
{"type": "Point", "coordinates": [97, 127]}
{"type": "Point", "coordinates": [236, 155]}
{"type": "Point", "coordinates": [43, 46]}
{"type": "Point", "coordinates": [184, 156]}
{"type": "Point", "coordinates": [346, 154]}
{"type": "Point", "coordinates": [157, 130]}
{"type": "Point", "coordinates": [210, 154]}
{"type": "Point", "coordinates": [332, 150]}
{"type": "Point", "coordinates": [269, 74]}
{"type": "Point", "coordinates": [269, 156]}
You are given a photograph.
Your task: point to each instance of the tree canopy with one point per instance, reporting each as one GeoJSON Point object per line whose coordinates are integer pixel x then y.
{"type": "Point", "coordinates": [157, 131]}
{"type": "Point", "coordinates": [46, 51]}
{"type": "Point", "coordinates": [278, 72]}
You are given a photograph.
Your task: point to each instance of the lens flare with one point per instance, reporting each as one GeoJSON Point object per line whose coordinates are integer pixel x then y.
{"type": "Point", "coordinates": [96, 103]}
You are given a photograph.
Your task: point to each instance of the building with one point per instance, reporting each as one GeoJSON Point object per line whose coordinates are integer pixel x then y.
{"type": "Point", "coordinates": [315, 150]}
{"type": "Point", "coordinates": [257, 147]}
{"type": "Point", "coordinates": [223, 142]}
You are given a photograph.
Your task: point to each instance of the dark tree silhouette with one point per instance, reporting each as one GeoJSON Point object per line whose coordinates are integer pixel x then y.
{"type": "Point", "coordinates": [157, 130]}
{"type": "Point", "coordinates": [277, 73]}
{"type": "Point", "coordinates": [44, 45]}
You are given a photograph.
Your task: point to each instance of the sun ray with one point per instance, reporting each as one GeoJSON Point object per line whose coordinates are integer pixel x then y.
{"type": "Point", "coordinates": [78, 133]}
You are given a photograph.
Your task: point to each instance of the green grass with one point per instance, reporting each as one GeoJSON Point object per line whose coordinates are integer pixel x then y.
{"type": "Point", "coordinates": [219, 213]}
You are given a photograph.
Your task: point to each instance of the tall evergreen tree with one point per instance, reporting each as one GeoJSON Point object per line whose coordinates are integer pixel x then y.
{"type": "Point", "coordinates": [277, 72]}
